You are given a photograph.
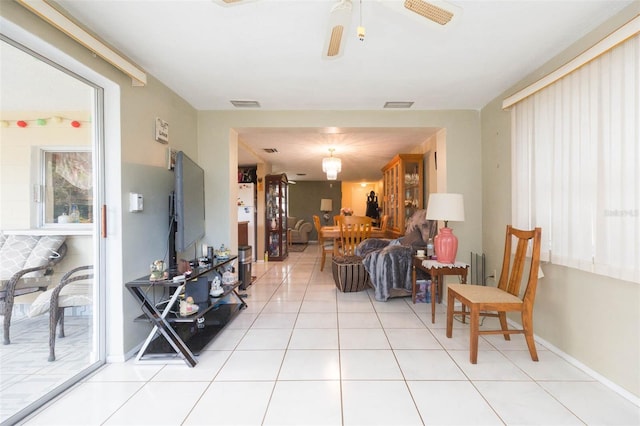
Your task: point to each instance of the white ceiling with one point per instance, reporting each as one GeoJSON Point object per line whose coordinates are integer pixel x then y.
{"type": "Point", "coordinates": [270, 51]}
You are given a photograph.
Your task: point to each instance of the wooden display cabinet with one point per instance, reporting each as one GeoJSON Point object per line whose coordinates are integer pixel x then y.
{"type": "Point", "coordinates": [403, 192]}
{"type": "Point", "coordinates": [276, 203]}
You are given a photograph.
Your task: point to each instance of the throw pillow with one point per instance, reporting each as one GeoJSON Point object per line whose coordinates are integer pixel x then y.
{"type": "Point", "coordinates": [298, 224]}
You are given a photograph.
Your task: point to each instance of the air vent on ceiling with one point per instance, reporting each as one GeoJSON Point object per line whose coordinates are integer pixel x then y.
{"type": "Point", "coordinates": [270, 150]}
{"type": "Point", "coordinates": [403, 104]}
{"type": "Point", "coordinates": [246, 104]}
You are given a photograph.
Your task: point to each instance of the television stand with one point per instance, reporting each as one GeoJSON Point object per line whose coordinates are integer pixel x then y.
{"type": "Point", "coordinates": [179, 338]}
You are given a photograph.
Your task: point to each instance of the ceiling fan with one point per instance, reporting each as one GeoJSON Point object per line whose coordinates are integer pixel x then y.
{"type": "Point", "coordinates": [434, 12]}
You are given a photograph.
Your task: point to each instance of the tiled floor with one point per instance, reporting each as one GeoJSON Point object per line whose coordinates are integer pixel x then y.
{"type": "Point", "coordinates": [25, 372]}
{"type": "Point", "coordinates": [305, 354]}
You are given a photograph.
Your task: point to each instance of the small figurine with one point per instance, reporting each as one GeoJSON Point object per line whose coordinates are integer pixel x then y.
{"type": "Point", "coordinates": [216, 286]}
{"type": "Point", "coordinates": [158, 271]}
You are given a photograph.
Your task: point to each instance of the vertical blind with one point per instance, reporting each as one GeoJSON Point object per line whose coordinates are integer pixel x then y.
{"type": "Point", "coordinates": [576, 165]}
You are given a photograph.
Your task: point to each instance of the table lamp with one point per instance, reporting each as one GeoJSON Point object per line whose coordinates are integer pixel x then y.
{"type": "Point", "coordinates": [326, 206]}
{"type": "Point", "coordinates": [445, 207]}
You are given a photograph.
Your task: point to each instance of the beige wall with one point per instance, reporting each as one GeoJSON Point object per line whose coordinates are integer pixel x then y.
{"type": "Point", "coordinates": [592, 318]}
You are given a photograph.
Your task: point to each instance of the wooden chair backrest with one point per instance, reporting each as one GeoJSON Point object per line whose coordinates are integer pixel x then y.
{"type": "Point", "coordinates": [512, 271]}
{"type": "Point", "coordinates": [353, 230]}
{"type": "Point", "coordinates": [316, 223]}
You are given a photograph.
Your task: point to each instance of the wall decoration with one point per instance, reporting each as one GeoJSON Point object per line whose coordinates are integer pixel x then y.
{"type": "Point", "coordinates": [162, 131]}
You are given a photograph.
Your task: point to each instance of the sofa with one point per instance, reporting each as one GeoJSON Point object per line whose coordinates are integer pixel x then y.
{"type": "Point", "coordinates": [389, 262]}
{"type": "Point", "coordinates": [300, 230]}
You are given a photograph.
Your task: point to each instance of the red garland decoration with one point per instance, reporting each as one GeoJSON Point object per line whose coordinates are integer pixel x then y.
{"type": "Point", "coordinates": [75, 124]}
{"type": "Point", "coordinates": [22, 123]}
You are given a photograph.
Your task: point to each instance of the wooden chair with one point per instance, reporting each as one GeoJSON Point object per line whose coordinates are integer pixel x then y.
{"type": "Point", "coordinates": [325, 246]}
{"type": "Point", "coordinates": [503, 298]}
{"type": "Point", "coordinates": [353, 230]}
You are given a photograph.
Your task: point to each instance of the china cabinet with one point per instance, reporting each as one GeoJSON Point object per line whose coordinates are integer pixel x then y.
{"type": "Point", "coordinates": [276, 190]}
{"type": "Point", "coordinates": [403, 190]}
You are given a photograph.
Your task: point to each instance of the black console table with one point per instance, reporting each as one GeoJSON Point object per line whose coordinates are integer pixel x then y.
{"type": "Point", "coordinates": [184, 336]}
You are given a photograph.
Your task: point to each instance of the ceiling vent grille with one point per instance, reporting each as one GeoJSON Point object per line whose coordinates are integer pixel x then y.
{"type": "Point", "coordinates": [246, 104]}
{"type": "Point", "coordinates": [270, 150]}
{"type": "Point", "coordinates": [402, 104]}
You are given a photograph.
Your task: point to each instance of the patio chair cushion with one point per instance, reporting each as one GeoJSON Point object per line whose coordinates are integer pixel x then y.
{"type": "Point", "coordinates": [18, 252]}
{"type": "Point", "coordinates": [73, 294]}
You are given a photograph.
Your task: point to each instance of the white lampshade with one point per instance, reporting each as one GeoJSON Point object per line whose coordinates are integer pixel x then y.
{"type": "Point", "coordinates": [326, 205]}
{"type": "Point", "coordinates": [447, 207]}
{"type": "Point", "coordinates": [332, 175]}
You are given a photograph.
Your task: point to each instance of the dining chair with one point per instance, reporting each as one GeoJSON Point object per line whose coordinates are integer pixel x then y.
{"type": "Point", "coordinates": [497, 301]}
{"type": "Point", "coordinates": [353, 230]}
{"type": "Point", "coordinates": [326, 246]}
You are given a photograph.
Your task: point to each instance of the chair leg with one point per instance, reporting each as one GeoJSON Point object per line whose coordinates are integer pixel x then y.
{"type": "Point", "coordinates": [502, 316]}
{"type": "Point", "coordinates": [61, 321]}
{"type": "Point", "coordinates": [8, 310]}
{"type": "Point", "coordinates": [324, 256]}
{"type": "Point", "coordinates": [527, 325]}
{"type": "Point", "coordinates": [53, 325]}
{"type": "Point", "coordinates": [474, 320]}
{"type": "Point", "coordinates": [450, 302]}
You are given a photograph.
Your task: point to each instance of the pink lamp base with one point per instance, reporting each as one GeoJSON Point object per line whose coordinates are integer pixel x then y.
{"type": "Point", "coordinates": [446, 246]}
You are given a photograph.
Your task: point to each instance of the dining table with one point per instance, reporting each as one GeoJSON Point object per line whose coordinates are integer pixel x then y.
{"type": "Point", "coordinates": [332, 232]}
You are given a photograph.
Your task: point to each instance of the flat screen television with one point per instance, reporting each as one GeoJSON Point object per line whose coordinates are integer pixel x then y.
{"type": "Point", "coordinates": [189, 202]}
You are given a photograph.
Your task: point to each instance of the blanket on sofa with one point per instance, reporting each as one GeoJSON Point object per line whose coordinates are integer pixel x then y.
{"type": "Point", "coordinates": [389, 268]}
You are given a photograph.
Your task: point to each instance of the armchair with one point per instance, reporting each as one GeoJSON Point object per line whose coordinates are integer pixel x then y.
{"type": "Point", "coordinates": [26, 266]}
{"type": "Point", "coordinates": [300, 230]}
{"type": "Point", "coordinates": [388, 262]}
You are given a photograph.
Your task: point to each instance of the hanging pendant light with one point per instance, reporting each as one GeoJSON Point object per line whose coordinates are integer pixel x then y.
{"type": "Point", "coordinates": [331, 165]}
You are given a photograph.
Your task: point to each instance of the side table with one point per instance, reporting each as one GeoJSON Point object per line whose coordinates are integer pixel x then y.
{"type": "Point", "coordinates": [437, 271]}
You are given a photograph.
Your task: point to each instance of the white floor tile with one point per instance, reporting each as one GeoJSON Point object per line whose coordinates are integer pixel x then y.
{"type": "Point", "coordinates": [310, 364]}
{"type": "Point", "coordinates": [369, 365]}
{"type": "Point", "coordinates": [317, 320]}
{"type": "Point", "coordinates": [305, 403]}
{"type": "Point", "coordinates": [208, 366]}
{"type": "Point", "coordinates": [270, 338]}
{"type": "Point", "coordinates": [428, 364]}
{"type": "Point", "coordinates": [451, 403]}
{"type": "Point", "coordinates": [232, 403]}
{"type": "Point", "coordinates": [549, 366]}
{"type": "Point", "coordinates": [378, 403]}
{"type": "Point", "coordinates": [363, 338]}
{"type": "Point", "coordinates": [492, 365]}
{"type": "Point", "coordinates": [159, 403]}
{"type": "Point", "coordinates": [89, 403]}
{"type": "Point", "coordinates": [318, 305]}
{"type": "Point", "coordinates": [401, 320]}
{"type": "Point", "coordinates": [525, 403]}
{"type": "Point", "coordinates": [278, 321]}
{"type": "Point", "coordinates": [129, 371]}
{"type": "Point", "coordinates": [314, 338]}
{"type": "Point", "coordinates": [412, 339]}
{"type": "Point", "coordinates": [358, 320]}
{"type": "Point", "coordinates": [252, 365]}
{"type": "Point", "coordinates": [594, 403]}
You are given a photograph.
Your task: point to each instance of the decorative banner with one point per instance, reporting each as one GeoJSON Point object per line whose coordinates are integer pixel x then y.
{"type": "Point", "coordinates": [42, 122]}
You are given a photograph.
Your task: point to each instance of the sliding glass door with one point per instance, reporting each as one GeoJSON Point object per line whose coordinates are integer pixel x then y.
{"type": "Point", "coordinates": [51, 189]}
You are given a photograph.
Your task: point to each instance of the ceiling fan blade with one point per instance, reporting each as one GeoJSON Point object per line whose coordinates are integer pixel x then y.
{"type": "Point", "coordinates": [226, 3]}
{"type": "Point", "coordinates": [339, 20]}
{"type": "Point", "coordinates": [437, 12]}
